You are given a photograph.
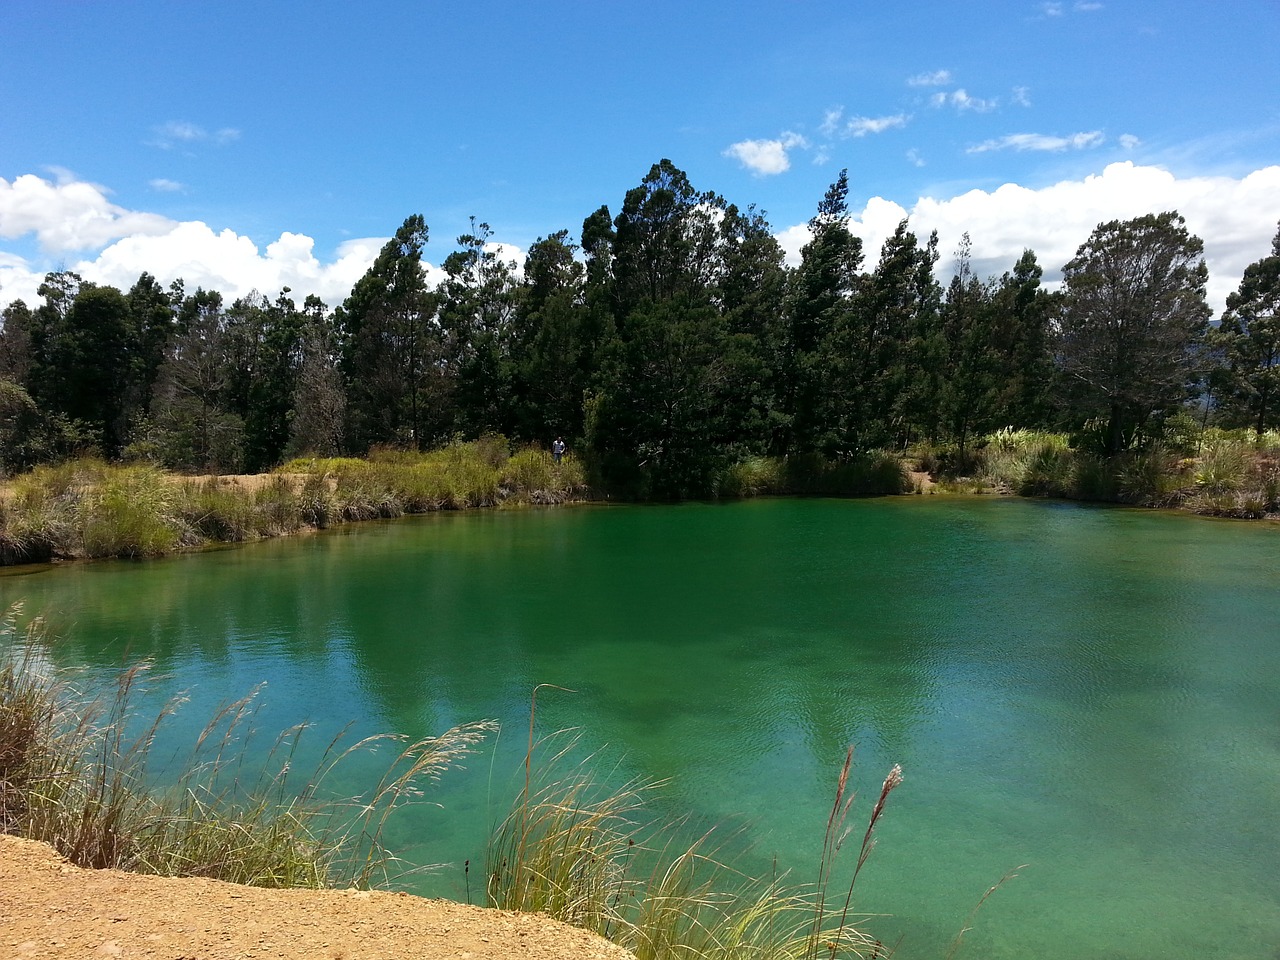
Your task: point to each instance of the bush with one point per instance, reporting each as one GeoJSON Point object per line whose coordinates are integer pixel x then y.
{"type": "Point", "coordinates": [129, 513]}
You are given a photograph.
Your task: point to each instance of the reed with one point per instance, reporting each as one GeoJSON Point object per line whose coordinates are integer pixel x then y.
{"type": "Point", "coordinates": [77, 772]}
{"type": "Point", "coordinates": [594, 857]}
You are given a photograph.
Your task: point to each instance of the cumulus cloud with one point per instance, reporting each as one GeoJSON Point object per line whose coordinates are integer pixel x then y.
{"type": "Point", "coordinates": [177, 132]}
{"type": "Point", "coordinates": [914, 158]}
{"type": "Point", "coordinates": [766, 157]}
{"type": "Point", "coordinates": [161, 185]}
{"type": "Point", "coordinates": [937, 78]}
{"type": "Point", "coordinates": [1129, 141]}
{"type": "Point", "coordinates": [1235, 218]}
{"type": "Point", "coordinates": [69, 215]}
{"type": "Point", "coordinates": [1039, 141]}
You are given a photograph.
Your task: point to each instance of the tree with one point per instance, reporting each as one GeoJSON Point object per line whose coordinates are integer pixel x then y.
{"type": "Point", "coordinates": [391, 348]}
{"type": "Point", "coordinates": [813, 397]}
{"type": "Point", "coordinates": [319, 401]}
{"type": "Point", "coordinates": [15, 342]}
{"type": "Point", "coordinates": [1020, 336]}
{"type": "Point", "coordinates": [194, 427]}
{"type": "Point", "coordinates": [82, 357]}
{"type": "Point", "coordinates": [969, 386]}
{"type": "Point", "coordinates": [1133, 315]}
{"type": "Point", "coordinates": [556, 346]}
{"type": "Point", "coordinates": [1248, 341]}
{"type": "Point", "coordinates": [477, 312]}
{"type": "Point", "coordinates": [677, 391]}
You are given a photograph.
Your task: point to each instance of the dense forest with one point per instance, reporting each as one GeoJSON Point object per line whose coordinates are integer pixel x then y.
{"type": "Point", "coordinates": [668, 342]}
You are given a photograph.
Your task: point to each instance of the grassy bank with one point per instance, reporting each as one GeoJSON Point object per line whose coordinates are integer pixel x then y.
{"type": "Point", "coordinates": [77, 771]}
{"type": "Point", "coordinates": [88, 508]}
{"type": "Point", "coordinates": [1211, 472]}
{"type": "Point", "coordinates": [876, 473]}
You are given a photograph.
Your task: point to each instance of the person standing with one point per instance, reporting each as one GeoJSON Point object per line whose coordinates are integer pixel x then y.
{"type": "Point", "coordinates": [557, 449]}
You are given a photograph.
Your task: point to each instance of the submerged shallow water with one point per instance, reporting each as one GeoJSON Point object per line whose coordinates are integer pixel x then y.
{"type": "Point", "coordinates": [1094, 693]}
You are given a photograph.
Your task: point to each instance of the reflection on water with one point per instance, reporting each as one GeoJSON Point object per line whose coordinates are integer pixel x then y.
{"type": "Point", "coordinates": [1090, 692]}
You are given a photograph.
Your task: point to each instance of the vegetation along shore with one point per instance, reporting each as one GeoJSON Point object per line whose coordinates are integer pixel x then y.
{"type": "Point", "coordinates": [678, 355]}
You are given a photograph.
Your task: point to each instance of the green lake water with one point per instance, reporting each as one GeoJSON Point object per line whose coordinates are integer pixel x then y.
{"type": "Point", "coordinates": [1094, 693]}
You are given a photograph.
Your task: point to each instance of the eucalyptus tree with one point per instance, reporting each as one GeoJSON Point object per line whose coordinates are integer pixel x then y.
{"type": "Point", "coordinates": [890, 354]}
{"type": "Point", "coordinates": [815, 384]}
{"type": "Point", "coordinates": [477, 309]}
{"type": "Point", "coordinates": [193, 425]}
{"type": "Point", "coordinates": [1248, 343]}
{"type": "Point", "coordinates": [319, 398]}
{"type": "Point", "coordinates": [668, 410]}
{"type": "Point", "coordinates": [16, 322]}
{"type": "Point", "coordinates": [1022, 316]}
{"type": "Point", "coordinates": [1133, 318]}
{"type": "Point", "coordinates": [970, 383]}
{"type": "Point", "coordinates": [152, 318]}
{"type": "Point", "coordinates": [392, 352]}
{"type": "Point", "coordinates": [556, 341]}
{"type": "Point", "coordinates": [264, 353]}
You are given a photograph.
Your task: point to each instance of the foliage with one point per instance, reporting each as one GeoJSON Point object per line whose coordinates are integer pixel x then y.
{"type": "Point", "coordinates": [1248, 341]}
{"type": "Point", "coordinates": [1133, 316]}
{"type": "Point", "coordinates": [668, 346]}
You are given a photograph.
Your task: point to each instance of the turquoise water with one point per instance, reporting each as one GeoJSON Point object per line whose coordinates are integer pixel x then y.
{"type": "Point", "coordinates": [1091, 693]}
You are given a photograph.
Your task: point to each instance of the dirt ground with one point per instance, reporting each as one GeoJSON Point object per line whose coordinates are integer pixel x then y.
{"type": "Point", "coordinates": [49, 908]}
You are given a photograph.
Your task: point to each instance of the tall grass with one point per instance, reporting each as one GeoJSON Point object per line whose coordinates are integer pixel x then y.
{"type": "Point", "coordinates": [594, 857]}
{"type": "Point", "coordinates": [77, 771]}
{"type": "Point", "coordinates": [88, 508]}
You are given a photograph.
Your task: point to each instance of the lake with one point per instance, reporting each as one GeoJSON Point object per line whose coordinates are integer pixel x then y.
{"type": "Point", "coordinates": [1093, 693]}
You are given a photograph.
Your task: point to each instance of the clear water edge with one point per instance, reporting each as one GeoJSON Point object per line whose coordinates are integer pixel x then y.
{"type": "Point", "coordinates": [1092, 692]}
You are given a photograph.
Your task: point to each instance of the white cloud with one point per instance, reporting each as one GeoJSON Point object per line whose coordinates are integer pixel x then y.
{"type": "Point", "coordinates": [937, 78]}
{"type": "Point", "coordinates": [961, 100]}
{"type": "Point", "coordinates": [1039, 141]}
{"type": "Point", "coordinates": [1051, 9]}
{"type": "Point", "coordinates": [1236, 218]}
{"type": "Point", "coordinates": [1022, 96]}
{"type": "Point", "coordinates": [1129, 141]}
{"type": "Point", "coordinates": [835, 125]}
{"type": "Point", "coordinates": [1083, 7]}
{"type": "Point", "coordinates": [861, 126]}
{"type": "Point", "coordinates": [766, 157]}
{"type": "Point", "coordinates": [69, 215]}
{"type": "Point", "coordinates": [162, 185]}
{"type": "Point", "coordinates": [232, 263]}
{"type": "Point", "coordinates": [177, 132]}
{"type": "Point", "coordinates": [914, 158]}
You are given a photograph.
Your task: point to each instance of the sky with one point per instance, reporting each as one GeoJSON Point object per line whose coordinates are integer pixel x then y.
{"type": "Point", "coordinates": [250, 146]}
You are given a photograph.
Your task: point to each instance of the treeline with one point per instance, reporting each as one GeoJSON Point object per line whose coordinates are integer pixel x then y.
{"type": "Point", "coordinates": [668, 343]}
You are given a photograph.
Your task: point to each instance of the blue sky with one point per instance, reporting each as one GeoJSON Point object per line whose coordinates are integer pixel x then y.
{"type": "Point", "coordinates": [248, 145]}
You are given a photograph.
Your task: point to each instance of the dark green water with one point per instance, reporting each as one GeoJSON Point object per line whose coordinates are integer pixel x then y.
{"type": "Point", "coordinates": [1094, 693]}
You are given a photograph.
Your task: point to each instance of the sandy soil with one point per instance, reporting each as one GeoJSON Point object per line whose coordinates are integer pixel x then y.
{"type": "Point", "coordinates": [49, 908]}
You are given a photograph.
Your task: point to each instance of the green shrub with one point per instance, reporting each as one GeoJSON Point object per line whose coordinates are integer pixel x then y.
{"type": "Point", "coordinates": [753, 477]}
{"type": "Point", "coordinates": [129, 513]}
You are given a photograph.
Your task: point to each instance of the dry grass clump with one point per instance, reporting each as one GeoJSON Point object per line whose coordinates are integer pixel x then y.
{"type": "Point", "coordinates": [77, 772]}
